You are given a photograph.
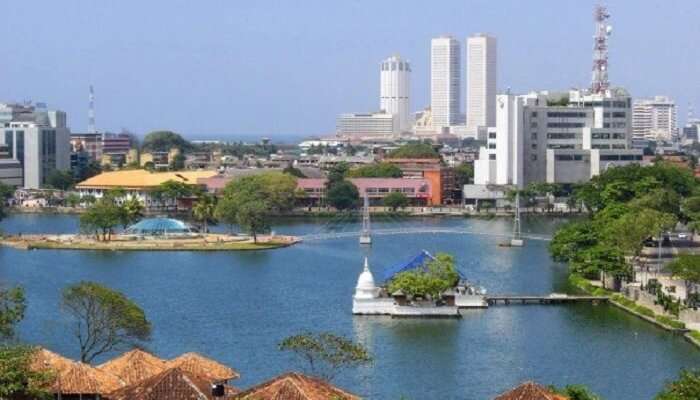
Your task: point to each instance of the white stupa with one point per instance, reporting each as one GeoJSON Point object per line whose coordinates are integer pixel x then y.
{"type": "Point", "coordinates": [366, 289]}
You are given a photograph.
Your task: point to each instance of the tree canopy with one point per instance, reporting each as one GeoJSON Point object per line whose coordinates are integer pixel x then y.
{"type": "Point", "coordinates": [164, 141]}
{"type": "Point", "coordinates": [343, 195]}
{"type": "Point", "coordinates": [326, 354]}
{"type": "Point", "coordinates": [18, 380]}
{"type": "Point", "coordinates": [61, 180]}
{"type": "Point", "coordinates": [104, 319]}
{"type": "Point", "coordinates": [414, 150]}
{"type": "Point", "coordinates": [101, 218]}
{"type": "Point", "coordinates": [433, 278]}
{"type": "Point", "coordinates": [686, 387]}
{"type": "Point", "coordinates": [378, 170]}
{"type": "Point", "coordinates": [395, 200]}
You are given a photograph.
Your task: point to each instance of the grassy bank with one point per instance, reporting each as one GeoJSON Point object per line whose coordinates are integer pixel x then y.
{"type": "Point", "coordinates": [639, 310]}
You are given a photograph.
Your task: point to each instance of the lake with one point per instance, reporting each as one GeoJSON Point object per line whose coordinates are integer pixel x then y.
{"type": "Point", "coordinates": [235, 307]}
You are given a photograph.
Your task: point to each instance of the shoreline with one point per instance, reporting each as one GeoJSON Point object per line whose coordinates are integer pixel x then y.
{"type": "Point", "coordinates": [207, 243]}
{"type": "Point", "coordinates": [617, 300]}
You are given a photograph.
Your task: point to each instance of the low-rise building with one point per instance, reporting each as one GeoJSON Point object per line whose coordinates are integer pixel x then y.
{"type": "Point", "coordinates": [441, 178]}
{"type": "Point", "coordinates": [139, 184]}
{"type": "Point", "coordinates": [367, 124]}
{"type": "Point", "coordinates": [418, 191]}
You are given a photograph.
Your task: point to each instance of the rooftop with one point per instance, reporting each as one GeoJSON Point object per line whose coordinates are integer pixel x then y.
{"type": "Point", "coordinates": [134, 366]}
{"type": "Point", "coordinates": [199, 365]}
{"type": "Point", "coordinates": [141, 179]}
{"type": "Point", "coordinates": [171, 384]}
{"type": "Point", "coordinates": [294, 386]}
{"type": "Point", "coordinates": [530, 391]}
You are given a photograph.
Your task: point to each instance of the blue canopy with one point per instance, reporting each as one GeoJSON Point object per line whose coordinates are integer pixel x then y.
{"type": "Point", "coordinates": [417, 261]}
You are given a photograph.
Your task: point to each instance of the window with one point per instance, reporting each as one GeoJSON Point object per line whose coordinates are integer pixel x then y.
{"type": "Point", "coordinates": [492, 156]}
{"type": "Point", "coordinates": [561, 135]}
{"type": "Point", "coordinates": [534, 114]}
{"type": "Point", "coordinates": [492, 135]}
{"type": "Point", "coordinates": [533, 135]}
{"type": "Point", "coordinates": [533, 146]}
{"type": "Point", "coordinates": [566, 114]}
{"type": "Point", "coordinates": [533, 157]}
{"type": "Point", "coordinates": [565, 124]}
{"type": "Point", "coordinates": [533, 124]}
{"type": "Point", "coordinates": [619, 114]}
{"type": "Point", "coordinates": [492, 145]}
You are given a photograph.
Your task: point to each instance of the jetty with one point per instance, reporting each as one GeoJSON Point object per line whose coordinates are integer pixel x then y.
{"type": "Point", "coordinates": [554, 298]}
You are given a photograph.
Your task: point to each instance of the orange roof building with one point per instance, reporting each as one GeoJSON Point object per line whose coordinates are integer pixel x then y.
{"type": "Point", "coordinates": [139, 179]}
{"type": "Point", "coordinates": [171, 384]}
{"type": "Point", "coordinates": [134, 366]}
{"type": "Point", "coordinates": [204, 367]}
{"type": "Point", "coordinates": [295, 386]}
{"type": "Point", "coordinates": [530, 391]}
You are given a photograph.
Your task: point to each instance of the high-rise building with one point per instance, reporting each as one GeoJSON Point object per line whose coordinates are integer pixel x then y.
{"type": "Point", "coordinates": [654, 119]}
{"type": "Point", "coordinates": [556, 138]}
{"type": "Point", "coordinates": [366, 124]}
{"type": "Point", "coordinates": [36, 137]}
{"type": "Point", "coordinates": [481, 81]}
{"type": "Point", "coordinates": [445, 67]}
{"type": "Point", "coordinates": [395, 90]}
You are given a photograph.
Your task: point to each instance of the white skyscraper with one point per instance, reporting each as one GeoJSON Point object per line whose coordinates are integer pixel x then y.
{"type": "Point", "coordinates": [654, 119]}
{"type": "Point", "coordinates": [481, 81]}
{"type": "Point", "coordinates": [445, 66]}
{"type": "Point", "coordinates": [395, 90]}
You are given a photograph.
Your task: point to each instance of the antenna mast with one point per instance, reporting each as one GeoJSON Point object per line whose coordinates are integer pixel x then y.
{"type": "Point", "coordinates": [91, 112]}
{"type": "Point", "coordinates": [365, 235]}
{"type": "Point", "coordinates": [600, 83]}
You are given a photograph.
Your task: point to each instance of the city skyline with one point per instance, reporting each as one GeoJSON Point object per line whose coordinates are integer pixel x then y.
{"type": "Point", "coordinates": [138, 72]}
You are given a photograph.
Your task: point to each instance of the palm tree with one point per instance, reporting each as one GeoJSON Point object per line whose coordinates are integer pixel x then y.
{"type": "Point", "coordinates": [133, 211]}
{"type": "Point", "coordinates": [203, 210]}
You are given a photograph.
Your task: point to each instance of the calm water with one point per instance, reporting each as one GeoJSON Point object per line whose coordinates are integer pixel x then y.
{"type": "Point", "coordinates": [236, 307]}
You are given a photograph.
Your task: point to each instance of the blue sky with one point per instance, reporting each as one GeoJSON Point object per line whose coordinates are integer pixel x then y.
{"type": "Point", "coordinates": [230, 69]}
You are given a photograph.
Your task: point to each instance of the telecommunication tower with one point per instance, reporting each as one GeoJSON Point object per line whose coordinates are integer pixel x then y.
{"type": "Point", "coordinates": [91, 112]}
{"type": "Point", "coordinates": [600, 83]}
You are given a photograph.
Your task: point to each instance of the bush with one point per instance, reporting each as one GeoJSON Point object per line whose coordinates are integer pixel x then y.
{"type": "Point", "coordinates": [643, 310]}
{"type": "Point", "coordinates": [695, 335]}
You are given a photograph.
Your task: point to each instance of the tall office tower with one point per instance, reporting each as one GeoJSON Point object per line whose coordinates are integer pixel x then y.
{"type": "Point", "coordinates": [395, 90]}
{"type": "Point", "coordinates": [481, 81]}
{"type": "Point", "coordinates": [445, 66]}
{"type": "Point", "coordinates": [654, 119]}
{"type": "Point", "coordinates": [91, 112]}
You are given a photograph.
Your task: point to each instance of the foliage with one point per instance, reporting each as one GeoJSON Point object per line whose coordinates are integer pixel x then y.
{"type": "Point", "coordinates": [686, 267]}
{"type": "Point", "coordinates": [395, 200]}
{"type": "Point", "coordinates": [414, 150]}
{"type": "Point", "coordinates": [295, 172]}
{"type": "Point", "coordinates": [600, 258]}
{"type": "Point", "coordinates": [378, 170]}
{"type": "Point", "coordinates": [132, 211]}
{"type": "Point", "coordinates": [337, 173]}
{"type": "Point", "coordinates": [433, 278]}
{"type": "Point", "coordinates": [61, 180]}
{"type": "Point", "coordinates": [101, 218]}
{"type": "Point", "coordinates": [343, 195]}
{"type": "Point", "coordinates": [12, 307]}
{"type": "Point", "coordinates": [164, 141]}
{"type": "Point", "coordinates": [571, 239]}
{"type": "Point", "coordinates": [275, 188]}
{"type": "Point", "coordinates": [203, 210]}
{"type": "Point", "coordinates": [252, 216]}
{"type": "Point", "coordinates": [6, 192]}
{"type": "Point", "coordinates": [464, 174]}
{"type": "Point", "coordinates": [178, 162]}
{"type": "Point", "coordinates": [686, 387]}
{"type": "Point", "coordinates": [226, 211]}
{"type": "Point", "coordinates": [91, 169]}
{"type": "Point", "coordinates": [326, 354]}
{"type": "Point", "coordinates": [576, 392]}
{"type": "Point", "coordinates": [170, 191]}
{"type": "Point", "coordinates": [17, 379]}
{"type": "Point", "coordinates": [72, 200]}
{"type": "Point", "coordinates": [105, 319]}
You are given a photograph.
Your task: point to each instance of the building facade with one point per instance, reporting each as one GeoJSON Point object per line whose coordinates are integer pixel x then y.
{"type": "Point", "coordinates": [367, 124]}
{"type": "Point", "coordinates": [37, 138]}
{"type": "Point", "coordinates": [481, 81]}
{"type": "Point", "coordinates": [395, 91]}
{"type": "Point", "coordinates": [418, 191]}
{"type": "Point", "coordinates": [556, 138]}
{"type": "Point", "coordinates": [654, 119]}
{"type": "Point", "coordinates": [445, 76]}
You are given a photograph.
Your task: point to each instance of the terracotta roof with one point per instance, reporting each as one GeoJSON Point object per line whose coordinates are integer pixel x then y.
{"type": "Point", "coordinates": [47, 359]}
{"type": "Point", "coordinates": [73, 377]}
{"type": "Point", "coordinates": [171, 384]}
{"type": "Point", "coordinates": [295, 386]}
{"type": "Point", "coordinates": [530, 391]}
{"type": "Point", "coordinates": [204, 367]}
{"type": "Point", "coordinates": [140, 179]}
{"type": "Point", "coordinates": [134, 366]}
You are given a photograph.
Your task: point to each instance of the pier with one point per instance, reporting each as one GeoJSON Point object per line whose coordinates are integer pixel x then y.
{"type": "Point", "coordinates": [546, 299]}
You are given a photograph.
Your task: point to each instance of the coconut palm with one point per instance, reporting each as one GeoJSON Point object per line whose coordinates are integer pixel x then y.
{"type": "Point", "coordinates": [203, 210]}
{"type": "Point", "coordinates": [132, 210]}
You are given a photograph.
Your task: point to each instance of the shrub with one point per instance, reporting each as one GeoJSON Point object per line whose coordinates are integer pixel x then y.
{"type": "Point", "coordinates": [643, 310]}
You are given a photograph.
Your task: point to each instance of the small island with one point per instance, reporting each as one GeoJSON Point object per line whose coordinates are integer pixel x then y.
{"type": "Point", "coordinates": [151, 234]}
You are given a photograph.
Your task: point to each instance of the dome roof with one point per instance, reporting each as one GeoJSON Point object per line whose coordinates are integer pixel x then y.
{"type": "Point", "coordinates": [159, 226]}
{"type": "Point", "coordinates": [366, 280]}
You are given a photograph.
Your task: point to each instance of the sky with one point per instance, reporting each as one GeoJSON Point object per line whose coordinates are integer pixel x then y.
{"type": "Point", "coordinates": [237, 69]}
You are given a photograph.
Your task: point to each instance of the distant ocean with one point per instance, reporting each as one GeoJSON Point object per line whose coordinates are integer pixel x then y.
{"type": "Point", "coordinates": [280, 138]}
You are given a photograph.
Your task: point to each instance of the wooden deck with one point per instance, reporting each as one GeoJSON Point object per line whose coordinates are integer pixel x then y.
{"type": "Point", "coordinates": [547, 299]}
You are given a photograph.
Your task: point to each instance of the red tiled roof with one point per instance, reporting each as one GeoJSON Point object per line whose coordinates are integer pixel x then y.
{"type": "Point", "coordinates": [134, 366]}
{"type": "Point", "coordinates": [204, 367]}
{"type": "Point", "coordinates": [171, 384]}
{"type": "Point", "coordinates": [530, 391]}
{"type": "Point", "coordinates": [295, 386]}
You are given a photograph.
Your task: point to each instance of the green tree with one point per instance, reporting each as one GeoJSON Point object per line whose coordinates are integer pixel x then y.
{"type": "Point", "coordinates": [18, 380]}
{"type": "Point", "coordinates": [252, 216]}
{"type": "Point", "coordinates": [337, 173]}
{"type": "Point", "coordinates": [164, 141]}
{"type": "Point", "coordinates": [12, 307]}
{"type": "Point", "coordinates": [378, 170]}
{"type": "Point", "coordinates": [132, 211]}
{"type": "Point", "coordinates": [414, 150]}
{"type": "Point", "coordinates": [464, 174]}
{"type": "Point", "coordinates": [686, 387]}
{"type": "Point", "coordinates": [343, 195]}
{"type": "Point", "coordinates": [572, 238]}
{"type": "Point", "coordinates": [104, 319]}
{"type": "Point", "coordinates": [6, 192]}
{"type": "Point", "coordinates": [686, 267]}
{"type": "Point", "coordinates": [433, 278]}
{"type": "Point", "coordinates": [226, 211]}
{"type": "Point", "coordinates": [295, 172]}
{"type": "Point", "coordinates": [72, 200]}
{"type": "Point", "coordinates": [576, 392]}
{"type": "Point", "coordinates": [326, 354]}
{"type": "Point", "coordinates": [170, 191]}
{"type": "Point", "coordinates": [204, 210]}
{"type": "Point", "coordinates": [101, 218]}
{"type": "Point", "coordinates": [61, 180]}
{"type": "Point", "coordinates": [395, 200]}
{"type": "Point", "coordinates": [178, 162]}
